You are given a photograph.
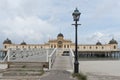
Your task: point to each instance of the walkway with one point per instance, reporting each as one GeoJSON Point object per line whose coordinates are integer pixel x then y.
{"type": "Point", "coordinates": [58, 75]}
{"type": "Point", "coordinates": [60, 69]}
{"type": "Point", "coordinates": [62, 63]}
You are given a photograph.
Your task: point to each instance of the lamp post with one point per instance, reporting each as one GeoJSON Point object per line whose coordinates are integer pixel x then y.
{"type": "Point", "coordinates": [76, 16]}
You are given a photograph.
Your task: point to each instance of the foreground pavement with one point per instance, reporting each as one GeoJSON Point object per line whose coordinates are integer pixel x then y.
{"type": "Point", "coordinates": [58, 75]}
{"type": "Point", "coordinates": [101, 77]}
{"type": "Point", "coordinates": [101, 70]}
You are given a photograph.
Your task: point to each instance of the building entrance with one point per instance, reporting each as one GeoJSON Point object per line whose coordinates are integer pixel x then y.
{"type": "Point", "coordinates": [60, 45]}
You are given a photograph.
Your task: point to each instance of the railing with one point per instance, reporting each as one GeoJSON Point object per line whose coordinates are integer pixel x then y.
{"type": "Point", "coordinates": [72, 57]}
{"type": "Point", "coordinates": [3, 56]}
{"type": "Point", "coordinates": [51, 58]}
{"type": "Point", "coordinates": [32, 55]}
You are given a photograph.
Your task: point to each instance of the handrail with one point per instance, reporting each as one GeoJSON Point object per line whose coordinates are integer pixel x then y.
{"type": "Point", "coordinates": [51, 58]}
{"type": "Point", "coordinates": [52, 52]}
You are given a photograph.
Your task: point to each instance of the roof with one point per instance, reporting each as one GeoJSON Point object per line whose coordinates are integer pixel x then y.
{"type": "Point", "coordinates": [23, 43]}
{"type": "Point", "coordinates": [7, 41]}
{"type": "Point", "coordinates": [113, 41]}
{"type": "Point", "coordinates": [60, 35]}
{"type": "Point", "coordinates": [98, 43]}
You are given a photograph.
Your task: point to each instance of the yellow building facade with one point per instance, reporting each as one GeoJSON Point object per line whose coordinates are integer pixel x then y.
{"type": "Point", "coordinates": [62, 43]}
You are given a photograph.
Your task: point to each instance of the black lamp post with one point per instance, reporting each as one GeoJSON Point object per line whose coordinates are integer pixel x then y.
{"type": "Point", "coordinates": [76, 16]}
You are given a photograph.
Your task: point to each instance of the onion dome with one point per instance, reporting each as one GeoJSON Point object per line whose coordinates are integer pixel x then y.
{"type": "Point", "coordinates": [60, 35]}
{"type": "Point", "coordinates": [23, 43]}
{"type": "Point", "coordinates": [113, 41]}
{"type": "Point", "coordinates": [98, 43]}
{"type": "Point", "coordinates": [7, 41]}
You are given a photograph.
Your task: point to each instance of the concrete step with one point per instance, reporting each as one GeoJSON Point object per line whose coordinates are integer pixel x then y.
{"type": "Point", "coordinates": [20, 78]}
{"type": "Point", "coordinates": [23, 69]}
{"type": "Point", "coordinates": [22, 73]}
{"type": "Point", "coordinates": [25, 65]}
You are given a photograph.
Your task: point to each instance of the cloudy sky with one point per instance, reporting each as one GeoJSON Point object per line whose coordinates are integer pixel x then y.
{"type": "Point", "coordinates": [37, 21]}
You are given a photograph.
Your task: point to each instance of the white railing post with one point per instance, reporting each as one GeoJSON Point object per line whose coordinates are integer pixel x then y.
{"type": "Point", "coordinates": [72, 57]}
{"type": "Point", "coordinates": [49, 62]}
{"type": "Point", "coordinates": [8, 54]}
{"type": "Point", "coordinates": [47, 58]}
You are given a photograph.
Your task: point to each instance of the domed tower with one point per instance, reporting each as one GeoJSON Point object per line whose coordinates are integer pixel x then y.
{"type": "Point", "coordinates": [114, 44]}
{"type": "Point", "coordinates": [23, 43]}
{"type": "Point", "coordinates": [6, 43]}
{"type": "Point", "coordinates": [60, 36]}
{"type": "Point", "coordinates": [113, 41]}
{"type": "Point", "coordinates": [98, 43]}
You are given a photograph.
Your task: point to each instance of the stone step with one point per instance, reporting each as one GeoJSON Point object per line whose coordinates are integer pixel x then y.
{"type": "Point", "coordinates": [20, 78]}
{"type": "Point", "coordinates": [25, 63]}
{"type": "Point", "coordinates": [25, 66]}
{"type": "Point", "coordinates": [23, 69]}
{"type": "Point", "coordinates": [22, 73]}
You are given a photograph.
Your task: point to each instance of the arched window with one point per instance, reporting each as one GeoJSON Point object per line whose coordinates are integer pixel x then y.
{"type": "Point", "coordinates": [67, 46]}
{"type": "Point", "coordinates": [5, 46]}
{"type": "Point", "coordinates": [90, 47]}
{"type": "Point", "coordinates": [102, 47]}
{"type": "Point", "coordinates": [51, 46]}
{"type": "Point", "coordinates": [84, 47]}
{"type": "Point", "coordinates": [54, 46]}
{"type": "Point", "coordinates": [114, 47]}
{"type": "Point", "coordinates": [64, 46]}
{"type": "Point", "coordinates": [96, 47]}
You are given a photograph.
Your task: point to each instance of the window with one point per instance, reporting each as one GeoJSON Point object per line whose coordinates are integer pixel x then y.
{"type": "Point", "coordinates": [114, 47]}
{"type": "Point", "coordinates": [67, 46]}
{"type": "Point", "coordinates": [64, 46]}
{"type": "Point", "coordinates": [96, 47]}
{"type": "Point", "coordinates": [16, 46]}
{"type": "Point", "coordinates": [5, 46]}
{"type": "Point", "coordinates": [102, 47]}
{"type": "Point", "coordinates": [84, 47]}
{"type": "Point", "coordinates": [51, 46]}
{"type": "Point", "coordinates": [90, 47]}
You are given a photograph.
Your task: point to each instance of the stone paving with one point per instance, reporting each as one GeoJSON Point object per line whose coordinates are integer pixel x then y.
{"type": "Point", "coordinates": [101, 70]}
{"type": "Point", "coordinates": [62, 63]}
{"type": "Point", "coordinates": [58, 75]}
{"type": "Point", "coordinates": [102, 77]}
{"type": "Point", "coordinates": [60, 69]}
